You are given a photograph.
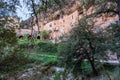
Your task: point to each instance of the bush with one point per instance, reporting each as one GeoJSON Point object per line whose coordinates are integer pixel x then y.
{"type": "Point", "coordinates": [13, 60]}
{"type": "Point", "coordinates": [109, 67]}
{"type": "Point", "coordinates": [65, 48]}
{"type": "Point", "coordinates": [47, 59]}
{"type": "Point", "coordinates": [44, 34]}
{"type": "Point", "coordinates": [86, 68]}
{"type": "Point", "coordinates": [47, 47]}
{"type": "Point", "coordinates": [65, 52]}
{"type": "Point", "coordinates": [7, 41]}
{"type": "Point", "coordinates": [10, 54]}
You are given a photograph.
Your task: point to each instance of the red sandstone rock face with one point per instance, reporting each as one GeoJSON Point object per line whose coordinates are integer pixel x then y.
{"type": "Point", "coordinates": [65, 22]}
{"type": "Point", "coordinates": [71, 18]}
{"type": "Point", "coordinates": [103, 21]}
{"type": "Point", "coordinates": [61, 26]}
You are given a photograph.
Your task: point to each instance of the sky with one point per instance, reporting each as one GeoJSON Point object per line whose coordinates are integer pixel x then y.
{"type": "Point", "coordinates": [22, 11]}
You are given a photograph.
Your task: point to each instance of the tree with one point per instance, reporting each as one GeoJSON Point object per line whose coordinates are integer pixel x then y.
{"type": "Point", "coordinates": [44, 34]}
{"type": "Point", "coordinates": [85, 43]}
{"type": "Point", "coordinates": [8, 7]}
{"type": "Point", "coordinates": [115, 29]}
{"type": "Point", "coordinates": [6, 42]}
{"type": "Point", "coordinates": [102, 6]}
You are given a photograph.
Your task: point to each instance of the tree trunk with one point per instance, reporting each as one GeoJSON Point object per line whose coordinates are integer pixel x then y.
{"type": "Point", "coordinates": [91, 60]}
{"type": "Point", "coordinates": [93, 67]}
{"type": "Point", "coordinates": [36, 16]}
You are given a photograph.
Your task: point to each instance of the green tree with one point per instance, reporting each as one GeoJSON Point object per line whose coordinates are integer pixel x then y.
{"type": "Point", "coordinates": [6, 42]}
{"type": "Point", "coordinates": [44, 34]}
{"type": "Point", "coordinates": [115, 29]}
{"type": "Point", "coordinates": [10, 53]}
{"type": "Point", "coordinates": [102, 6]}
{"type": "Point", "coordinates": [8, 7]}
{"type": "Point", "coordinates": [85, 43]}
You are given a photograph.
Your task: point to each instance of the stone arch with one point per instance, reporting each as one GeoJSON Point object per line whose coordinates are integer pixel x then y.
{"type": "Point", "coordinates": [29, 36]}
{"type": "Point", "coordinates": [38, 37]}
{"type": "Point", "coordinates": [21, 37]}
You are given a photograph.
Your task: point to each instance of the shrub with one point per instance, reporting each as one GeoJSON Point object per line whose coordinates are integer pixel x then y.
{"type": "Point", "coordinates": [44, 46]}
{"type": "Point", "coordinates": [13, 60]}
{"type": "Point", "coordinates": [109, 67]}
{"type": "Point", "coordinates": [44, 33]}
{"type": "Point", "coordinates": [10, 54]}
{"type": "Point", "coordinates": [65, 48]}
{"type": "Point", "coordinates": [7, 41]}
{"type": "Point", "coordinates": [86, 68]}
{"type": "Point", "coordinates": [47, 59]}
{"type": "Point", "coordinates": [65, 52]}
{"type": "Point", "coordinates": [86, 44]}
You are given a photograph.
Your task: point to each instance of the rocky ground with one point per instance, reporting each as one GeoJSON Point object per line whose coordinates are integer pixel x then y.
{"type": "Point", "coordinates": [39, 72]}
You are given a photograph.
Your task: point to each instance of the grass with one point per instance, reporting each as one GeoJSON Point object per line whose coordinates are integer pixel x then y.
{"type": "Point", "coordinates": [43, 58]}
{"type": "Point", "coordinates": [25, 41]}
{"type": "Point", "coordinates": [34, 41]}
{"type": "Point", "coordinates": [35, 59]}
{"type": "Point", "coordinates": [38, 56]}
{"type": "Point", "coordinates": [15, 71]}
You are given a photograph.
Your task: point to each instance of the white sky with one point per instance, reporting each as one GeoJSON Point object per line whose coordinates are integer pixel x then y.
{"type": "Point", "coordinates": [23, 12]}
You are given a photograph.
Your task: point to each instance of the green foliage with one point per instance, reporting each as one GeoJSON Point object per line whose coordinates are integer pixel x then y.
{"type": "Point", "coordinates": [7, 7]}
{"type": "Point", "coordinates": [52, 4]}
{"type": "Point", "coordinates": [44, 6]}
{"type": "Point", "coordinates": [65, 48]}
{"type": "Point", "coordinates": [44, 46]}
{"type": "Point", "coordinates": [109, 67]}
{"type": "Point", "coordinates": [86, 68]}
{"type": "Point", "coordinates": [12, 61]}
{"type": "Point", "coordinates": [58, 75]}
{"type": "Point", "coordinates": [115, 30]}
{"type": "Point", "coordinates": [7, 42]}
{"type": "Point", "coordinates": [40, 58]}
{"type": "Point", "coordinates": [44, 34]}
{"type": "Point", "coordinates": [11, 56]}
{"type": "Point", "coordinates": [24, 40]}
{"type": "Point", "coordinates": [27, 41]}
{"type": "Point", "coordinates": [85, 43]}
{"type": "Point", "coordinates": [65, 53]}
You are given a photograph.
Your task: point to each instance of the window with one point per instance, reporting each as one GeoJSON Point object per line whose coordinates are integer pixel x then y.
{"type": "Point", "coordinates": [63, 20]}
{"type": "Point", "coordinates": [71, 24]}
{"type": "Point", "coordinates": [61, 17]}
{"type": "Point", "coordinates": [58, 16]}
{"type": "Point", "coordinates": [72, 17]}
{"type": "Point", "coordinates": [50, 25]}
